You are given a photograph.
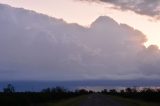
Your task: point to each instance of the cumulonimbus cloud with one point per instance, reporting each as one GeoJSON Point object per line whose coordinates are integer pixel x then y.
{"type": "Point", "coordinates": [143, 7]}
{"type": "Point", "coordinates": [37, 47]}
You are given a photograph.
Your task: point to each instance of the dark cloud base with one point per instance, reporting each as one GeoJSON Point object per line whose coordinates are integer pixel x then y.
{"type": "Point", "coordinates": [143, 7]}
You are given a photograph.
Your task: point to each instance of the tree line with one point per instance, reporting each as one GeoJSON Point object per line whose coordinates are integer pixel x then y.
{"type": "Point", "coordinates": [9, 96]}
{"type": "Point", "coordinates": [146, 94]}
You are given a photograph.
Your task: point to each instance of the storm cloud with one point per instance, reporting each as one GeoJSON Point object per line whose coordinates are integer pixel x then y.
{"type": "Point", "coordinates": [143, 7]}
{"type": "Point", "coordinates": [37, 47]}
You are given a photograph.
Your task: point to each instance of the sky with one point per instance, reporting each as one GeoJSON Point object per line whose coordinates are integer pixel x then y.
{"type": "Point", "coordinates": [84, 12]}
{"type": "Point", "coordinates": [107, 43]}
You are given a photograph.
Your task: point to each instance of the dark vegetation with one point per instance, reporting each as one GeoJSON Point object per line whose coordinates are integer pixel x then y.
{"type": "Point", "coordinates": [146, 94]}
{"type": "Point", "coordinates": [9, 97]}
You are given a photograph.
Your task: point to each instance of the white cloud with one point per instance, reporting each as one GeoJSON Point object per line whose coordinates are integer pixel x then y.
{"type": "Point", "coordinates": [37, 47]}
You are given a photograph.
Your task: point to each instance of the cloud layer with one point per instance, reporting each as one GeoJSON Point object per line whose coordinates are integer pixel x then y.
{"type": "Point", "coordinates": [37, 47]}
{"type": "Point", "coordinates": [143, 7]}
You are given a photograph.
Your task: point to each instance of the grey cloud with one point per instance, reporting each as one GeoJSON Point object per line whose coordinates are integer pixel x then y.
{"type": "Point", "coordinates": [149, 60]}
{"type": "Point", "coordinates": [37, 47]}
{"type": "Point", "coordinates": [143, 7]}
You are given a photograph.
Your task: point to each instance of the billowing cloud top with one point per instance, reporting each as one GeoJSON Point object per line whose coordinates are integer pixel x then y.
{"type": "Point", "coordinates": [37, 47]}
{"type": "Point", "coordinates": [144, 7]}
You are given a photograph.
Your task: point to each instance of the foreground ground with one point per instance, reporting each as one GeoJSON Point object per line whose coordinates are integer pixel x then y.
{"type": "Point", "coordinates": [101, 100]}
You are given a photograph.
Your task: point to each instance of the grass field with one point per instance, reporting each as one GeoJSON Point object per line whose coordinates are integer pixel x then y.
{"type": "Point", "coordinates": [69, 102]}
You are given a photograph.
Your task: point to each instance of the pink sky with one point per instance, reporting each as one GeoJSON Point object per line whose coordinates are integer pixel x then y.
{"type": "Point", "coordinates": [84, 14]}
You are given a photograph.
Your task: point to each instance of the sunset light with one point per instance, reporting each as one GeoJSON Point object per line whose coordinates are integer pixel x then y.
{"type": "Point", "coordinates": [79, 52]}
{"type": "Point", "coordinates": [84, 13]}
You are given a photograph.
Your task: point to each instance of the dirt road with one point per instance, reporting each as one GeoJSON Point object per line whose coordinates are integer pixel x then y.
{"type": "Point", "coordinates": [100, 100]}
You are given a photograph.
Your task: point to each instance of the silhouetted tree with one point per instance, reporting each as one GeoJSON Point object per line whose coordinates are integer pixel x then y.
{"type": "Point", "coordinates": [104, 91]}
{"type": "Point", "coordinates": [81, 91]}
{"type": "Point", "coordinates": [47, 90]}
{"type": "Point", "coordinates": [9, 89]}
{"type": "Point", "coordinates": [122, 91]}
{"type": "Point", "coordinates": [113, 91]}
{"type": "Point", "coordinates": [128, 90]}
